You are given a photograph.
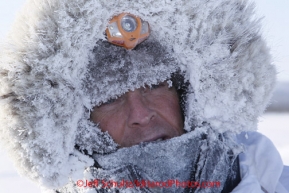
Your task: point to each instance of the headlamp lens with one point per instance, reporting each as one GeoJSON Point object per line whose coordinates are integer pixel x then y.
{"type": "Point", "coordinates": [129, 23]}
{"type": "Point", "coordinates": [127, 30]}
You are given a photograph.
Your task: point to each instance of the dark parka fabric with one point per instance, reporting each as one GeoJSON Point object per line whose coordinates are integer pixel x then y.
{"type": "Point", "coordinates": [56, 66]}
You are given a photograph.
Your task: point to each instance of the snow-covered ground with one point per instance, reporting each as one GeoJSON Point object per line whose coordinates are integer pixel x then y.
{"type": "Point", "coordinates": [273, 125]}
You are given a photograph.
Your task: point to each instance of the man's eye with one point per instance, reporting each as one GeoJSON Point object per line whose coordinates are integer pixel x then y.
{"type": "Point", "coordinates": [109, 101]}
{"type": "Point", "coordinates": [155, 86]}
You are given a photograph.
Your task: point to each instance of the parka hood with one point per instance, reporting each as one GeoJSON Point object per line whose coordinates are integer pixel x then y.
{"type": "Point", "coordinates": [56, 67]}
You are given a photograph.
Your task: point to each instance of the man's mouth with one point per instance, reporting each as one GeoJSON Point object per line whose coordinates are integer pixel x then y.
{"type": "Point", "coordinates": [157, 139]}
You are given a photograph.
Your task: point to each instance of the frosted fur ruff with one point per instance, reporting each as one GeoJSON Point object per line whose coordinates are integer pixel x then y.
{"type": "Point", "coordinates": [45, 105]}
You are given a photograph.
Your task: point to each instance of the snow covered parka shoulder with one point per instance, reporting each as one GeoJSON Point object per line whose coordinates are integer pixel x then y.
{"type": "Point", "coordinates": [56, 66]}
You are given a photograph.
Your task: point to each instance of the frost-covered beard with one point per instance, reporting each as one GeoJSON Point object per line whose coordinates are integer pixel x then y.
{"type": "Point", "coordinates": [194, 157]}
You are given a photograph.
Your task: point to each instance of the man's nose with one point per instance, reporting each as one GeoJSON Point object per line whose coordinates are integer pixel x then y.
{"type": "Point", "coordinates": [140, 113]}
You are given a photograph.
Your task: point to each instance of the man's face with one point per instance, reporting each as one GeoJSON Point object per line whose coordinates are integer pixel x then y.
{"type": "Point", "coordinates": [143, 115]}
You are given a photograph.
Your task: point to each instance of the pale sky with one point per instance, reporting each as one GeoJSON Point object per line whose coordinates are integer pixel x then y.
{"type": "Point", "coordinates": [275, 28]}
{"type": "Point", "coordinates": [276, 32]}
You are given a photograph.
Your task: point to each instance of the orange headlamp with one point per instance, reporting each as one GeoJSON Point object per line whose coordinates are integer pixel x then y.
{"type": "Point", "coordinates": [127, 30]}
